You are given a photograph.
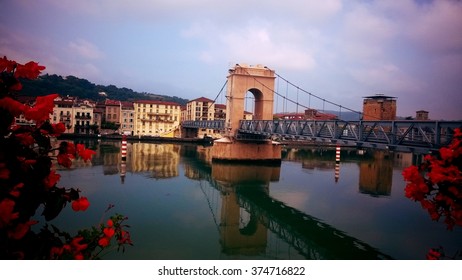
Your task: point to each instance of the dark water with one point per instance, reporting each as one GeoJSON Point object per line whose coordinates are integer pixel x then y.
{"type": "Point", "coordinates": [181, 206]}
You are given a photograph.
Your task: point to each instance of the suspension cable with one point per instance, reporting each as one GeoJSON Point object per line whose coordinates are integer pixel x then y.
{"type": "Point", "coordinates": [216, 97]}
{"type": "Point", "coordinates": [318, 97]}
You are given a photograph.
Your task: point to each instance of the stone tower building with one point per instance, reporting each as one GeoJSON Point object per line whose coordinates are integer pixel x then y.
{"type": "Point", "coordinates": [421, 115]}
{"type": "Point", "coordinates": [379, 107]}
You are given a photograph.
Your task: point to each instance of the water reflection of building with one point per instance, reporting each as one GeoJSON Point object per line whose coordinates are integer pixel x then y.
{"type": "Point", "coordinates": [199, 153]}
{"type": "Point", "coordinates": [403, 160]}
{"type": "Point", "coordinates": [161, 160]}
{"type": "Point", "coordinates": [110, 155]}
{"type": "Point", "coordinates": [320, 158]}
{"type": "Point", "coordinates": [375, 177]}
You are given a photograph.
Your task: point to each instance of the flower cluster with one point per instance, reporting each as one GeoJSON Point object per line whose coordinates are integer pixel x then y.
{"type": "Point", "coordinates": [437, 185]}
{"type": "Point", "coordinates": [90, 243]}
{"type": "Point", "coordinates": [28, 181]}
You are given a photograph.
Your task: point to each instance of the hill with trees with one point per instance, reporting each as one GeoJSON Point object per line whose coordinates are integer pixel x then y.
{"type": "Point", "coordinates": [82, 88]}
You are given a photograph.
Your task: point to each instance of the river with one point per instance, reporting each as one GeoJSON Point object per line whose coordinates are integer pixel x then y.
{"type": "Point", "coordinates": [180, 205]}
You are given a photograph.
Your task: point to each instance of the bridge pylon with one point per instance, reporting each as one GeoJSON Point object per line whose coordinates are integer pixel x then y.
{"type": "Point", "coordinates": [259, 80]}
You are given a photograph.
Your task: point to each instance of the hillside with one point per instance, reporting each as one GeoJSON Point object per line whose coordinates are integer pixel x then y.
{"type": "Point", "coordinates": [82, 88]}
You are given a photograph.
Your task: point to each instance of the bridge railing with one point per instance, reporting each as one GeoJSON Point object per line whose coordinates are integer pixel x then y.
{"type": "Point", "coordinates": [399, 135]}
{"type": "Point", "coordinates": [377, 134]}
{"type": "Point", "coordinates": [216, 124]}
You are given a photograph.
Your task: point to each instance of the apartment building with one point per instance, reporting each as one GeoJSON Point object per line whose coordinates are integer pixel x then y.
{"type": "Point", "coordinates": [156, 118]}
{"type": "Point", "coordinates": [112, 111]}
{"type": "Point", "coordinates": [201, 109]}
{"type": "Point", "coordinates": [77, 115]}
{"type": "Point", "coordinates": [220, 112]}
{"type": "Point", "coordinates": [127, 119]}
{"type": "Point", "coordinates": [83, 117]}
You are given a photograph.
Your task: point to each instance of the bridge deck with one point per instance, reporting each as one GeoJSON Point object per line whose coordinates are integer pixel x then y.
{"type": "Point", "coordinates": [394, 135]}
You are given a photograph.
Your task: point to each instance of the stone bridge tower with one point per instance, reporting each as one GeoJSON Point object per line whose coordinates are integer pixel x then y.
{"type": "Point", "coordinates": [258, 80]}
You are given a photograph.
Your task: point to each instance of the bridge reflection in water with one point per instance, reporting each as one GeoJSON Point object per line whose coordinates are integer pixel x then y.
{"type": "Point", "coordinates": [248, 211]}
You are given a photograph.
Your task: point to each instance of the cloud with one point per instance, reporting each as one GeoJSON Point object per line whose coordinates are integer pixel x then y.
{"type": "Point", "coordinates": [166, 10]}
{"type": "Point", "coordinates": [366, 33]}
{"type": "Point", "coordinates": [255, 42]}
{"type": "Point", "coordinates": [85, 49]}
{"type": "Point", "coordinates": [437, 27]}
{"type": "Point", "coordinates": [386, 78]}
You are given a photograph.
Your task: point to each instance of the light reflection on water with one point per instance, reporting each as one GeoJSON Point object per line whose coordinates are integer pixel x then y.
{"type": "Point", "coordinates": [180, 206]}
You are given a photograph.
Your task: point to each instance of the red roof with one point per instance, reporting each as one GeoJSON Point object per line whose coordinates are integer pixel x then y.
{"type": "Point", "coordinates": [127, 104]}
{"type": "Point", "coordinates": [109, 102]}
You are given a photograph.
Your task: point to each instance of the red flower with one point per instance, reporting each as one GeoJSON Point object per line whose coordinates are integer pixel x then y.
{"type": "Point", "coordinates": [108, 232]}
{"type": "Point", "coordinates": [6, 212]}
{"type": "Point", "coordinates": [433, 254]}
{"type": "Point", "coordinates": [51, 179]}
{"type": "Point", "coordinates": [25, 138]}
{"type": "Point", "coordinates": [21, 230]}
{"type": "Point", "coordinates": [16, 108]}
{"type": "Point", "coordinates": [446, 153]}
{"type": "Point", "coordinates": [15, 191]}
{"type": "Point", "coordinates": [85, 154]}
{"type": "Point", "coordinates": [110, 223]}
{"type": "Point", "coordinates": [64, 160]}
{"type": "Point", "coordinates": [42, 109]}
{"type": "Point", "coordinates": [58, 129]}
{"type": "Point", "coordinates": [30, 70]}
{"type": "Point", "coordinates": [56, 252]}
{"type": "Point", "coordinates": [70, 148]}
{"type": "Point", "coordinates": [16, 87]}
{"type": "Point", "coordinates": [7, 65]}
{"type": "Point", "coordinates": [103, 242]}
{"type": "Point", "coordinates": [4, 172]}
{"type": "Point", "coordinates": [75, 243]}
{"type": "Point", "coordinates": [411, 174]}
{"type": "Point", "coordinates": [80, 204]}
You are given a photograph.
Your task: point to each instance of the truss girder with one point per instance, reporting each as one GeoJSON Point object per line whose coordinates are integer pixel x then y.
{"type": "Point", "coordinates": [406, 134]}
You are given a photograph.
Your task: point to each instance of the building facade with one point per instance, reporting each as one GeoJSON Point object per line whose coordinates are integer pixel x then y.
{"type": "Point", "coordinates": [112, 111]}
{"type": "Point", "coordinates": [127, 119]}
{"type": "Point", "coordinates": [201, 109]}
{"type": "Point", "coordinates": [421, 115]}
{"type": "Point", "coordinates": [156, 118]}
{"type": "Point", "coordinates": [77, 115]}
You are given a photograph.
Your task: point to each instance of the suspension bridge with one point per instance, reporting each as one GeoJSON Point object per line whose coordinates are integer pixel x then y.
{"type": "Point", "coordinates": [397, 135]}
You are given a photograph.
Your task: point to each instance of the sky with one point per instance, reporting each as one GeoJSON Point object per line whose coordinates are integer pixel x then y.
{"type": "Point", "coordinates": [338, 50]}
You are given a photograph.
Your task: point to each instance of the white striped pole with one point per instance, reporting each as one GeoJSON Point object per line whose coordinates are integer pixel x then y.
{"type": "Point", "coordinates": [123, 166]}
{"type": "Point", "coordinates": [124, 147]}
{"type": "Point", "coordinates": [337, 163]}
{"type": "Point", "coordinates": [123, 170]}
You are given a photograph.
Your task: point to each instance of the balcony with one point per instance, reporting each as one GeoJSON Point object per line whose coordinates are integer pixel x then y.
{"type": "Point", "coordinates": [82, 117]}
{"type": "Point", "coordinates": [157, 114]}
{"type": "Point", "coordinates": [158, 120]}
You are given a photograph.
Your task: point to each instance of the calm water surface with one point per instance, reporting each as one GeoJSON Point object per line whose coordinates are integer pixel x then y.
{"type": "Point", "coordinates": [181, 206]}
